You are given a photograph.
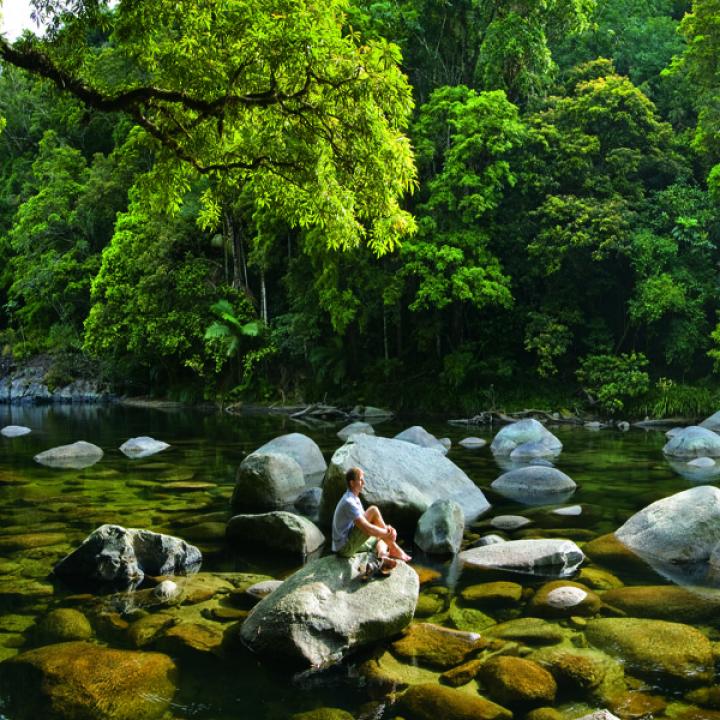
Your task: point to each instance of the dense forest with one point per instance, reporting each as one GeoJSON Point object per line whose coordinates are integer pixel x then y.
{"type": "Point", "coordinates": [426, 204]}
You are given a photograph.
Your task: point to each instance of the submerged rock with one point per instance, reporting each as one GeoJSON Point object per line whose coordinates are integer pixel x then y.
{"type": "Point", "coordinates": [437, 646]}
{"type": "Point", "coordinates": [666, 602]}
{"type": "Point", "coordinates": [535, 485]}
{"type": "Point", "coordinates": [82, 681]}
{"type": "Point", "coordinates": [302, 449]}
{"type": "Point", "coordinates": [668, 651]}
{"type": "Point", "coordinates": [77, 456]}
{"type": "Point", "coordinates": [63, 625]}
{"type": "Point", "coordinates": [693, 441]}
{"type": "Point", "coordinates": [277, 530]}
{"type": "Point", "coordinates": [325, 610]}
{"type": "Point", "coordinates": [13, 431]}
{"type": "Point", "coordinates": [493, 594]}
{"type": "Point", "coordinates": [428, 701]}
{"type": "Point", "coordinates": [517, 682]}
{"type": "Point", "coordinates": [123, 556]}
{"type": "Point", "coordinates": [418, 435]}
{"type": "Point", "coordinates": [266, 481]}
{"type": "Point", "coordinates": [440, 528]}
{"type": "Point", "coordinates": [562, 598]}
{"type": "Point", "coordinates": [525, 431]}
{"type": "Point", "coordinates": [401, 478]}
{"type": "Point", "coordinates": [142, 447]}
{"type": "Point", "coordinates": [553, 558]}
{"type": "Point", "coordinates": [509, 522]}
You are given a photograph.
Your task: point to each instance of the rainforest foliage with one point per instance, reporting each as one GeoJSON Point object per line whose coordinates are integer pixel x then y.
{"type": "Point", "coordinates": [426, 204]}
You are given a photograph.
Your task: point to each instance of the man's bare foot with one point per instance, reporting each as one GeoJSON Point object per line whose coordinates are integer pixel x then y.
{"type": "Point", "coordinates": [401, 556]}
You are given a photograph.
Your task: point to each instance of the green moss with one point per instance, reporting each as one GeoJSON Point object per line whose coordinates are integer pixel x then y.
{"type": "Point", "coordinates": [517, 682]}
{"type": "Point", "coordinates": [430, 702]}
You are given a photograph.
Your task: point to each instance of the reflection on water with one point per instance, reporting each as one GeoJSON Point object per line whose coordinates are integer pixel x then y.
{"type": "Point", "coordinates": [186, 491]}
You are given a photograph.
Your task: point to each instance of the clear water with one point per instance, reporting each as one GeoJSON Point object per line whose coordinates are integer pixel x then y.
{"type": "Point", "coordinates": [617, 473]}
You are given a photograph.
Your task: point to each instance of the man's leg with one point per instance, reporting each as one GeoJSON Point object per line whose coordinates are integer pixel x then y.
{"type": "Point", "coordinates": [391, 547]}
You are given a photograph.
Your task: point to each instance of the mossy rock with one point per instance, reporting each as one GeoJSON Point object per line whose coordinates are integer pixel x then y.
{"type": "Point", "coordinates": [82, 681]}
{"type": "Point", "coordinates": [666, 602]}
{"type": "Point", "coordinates": [430, 702]}
{"type": "Point", "coordinates": [708, 697]}
{"type": "Point", "coordinates": [532, 631]}
{"type": "Point", "coordinates": [634, 704]}
{"type": "Point", "coordinates": [428, 605]}
{"type": "Point", "coordinates": [697, 714]}
{"type": "Point", "coordinates": [468, 619]}
{"type": "Point", "coordinates": [145, 631]}
{"type": "Point", "coordinates": [609, 552]}
{"type": "Point", "coordinates": [63, 625]}
{"type": "Point", "coordinates": [386, 674]}
{"type": "Point", "coordinates": [548, 601]}
{"type": "Point", "coordinates": [323, 714]}
{"type": "Point", "coordinates": [202, 587]}
{"type": "Point", "coordinates": [436, 646]}
{"type": "Point", "coordinates": [462, 674]}
{"type": "Point", "coordinates": [655, 649]}
{"type": "Point", "coordinates": [598, 579]}
{"type": "Point", "coordinates": [193, 638]}
{"type": "Point", "coordinates": [426, 574]}
{"type": "Point", "coordinates": [15, 623]}
{"type": "Point", "coordinates": [26, 541]}
{"type": "Point", "coordinates": [579, 671]}
{"type": "Point", "coordinates": [493, 594]}
{"type": "Point", "coordinates": [544, 713]}
{"type": "Point", "coordinates": [517, 683]}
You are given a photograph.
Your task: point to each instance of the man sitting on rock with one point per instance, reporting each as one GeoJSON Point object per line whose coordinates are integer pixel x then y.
{"type": "Point", "coordinates": [356, 530]}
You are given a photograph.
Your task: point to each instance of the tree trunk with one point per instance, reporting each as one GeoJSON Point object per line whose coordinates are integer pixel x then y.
{"type": "Point", "coordinates": [263, 298]}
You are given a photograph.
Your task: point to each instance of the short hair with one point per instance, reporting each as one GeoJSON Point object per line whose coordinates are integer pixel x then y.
{"type": "Point", "coordinates": [354, 473]}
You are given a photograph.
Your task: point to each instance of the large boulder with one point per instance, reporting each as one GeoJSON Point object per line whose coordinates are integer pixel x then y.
{"type": "Point", "coordinates": [123, 556]}
{"type": "Point", "coordinates": [267, 481]}
{"type": "Point", "coordinates": [525, 431]}
{"type": "Point", "coordinates": [354, 428]}
{"type": "Point", "coordinates": [83, 681]}
{"type": "Point", "coordinates": [440, 528]}
{"type": "Point", "coordinates": [277, 530]}
{"type": "Point", "coordinates": [76, 456]}
{"type": "Point", "coordinates": [142, 447]}
{"type": "Point", "coordinates": [692, 442]}
{"type": "Point", "coordinates": [400, 478]}
{"type": "Point", "coordinates": [325, 610]}
{"type": "Point", "coordinates": [678, 534]}
{"type": "Point", "coordinates": [712, 422]}
{"type": "Point", "coordinates": [546, 558]}
{"type": "Point", "coordinates": [418, 435]}
{"type": "Point", "coordinates": [655, 649]}
{"type": "Point", "coordinates": [534, 450]}
{"type": "Point", "coordinates": [304, 451]}
{"type": "Point", "coordinates": [535, 485]}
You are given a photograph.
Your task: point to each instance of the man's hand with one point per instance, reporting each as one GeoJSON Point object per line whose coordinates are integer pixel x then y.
{"type": "Point", "coordinates": [391, 533]}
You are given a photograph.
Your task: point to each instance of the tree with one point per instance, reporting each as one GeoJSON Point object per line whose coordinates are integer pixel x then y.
{"type": "Point", "coordinates": [274, 95]}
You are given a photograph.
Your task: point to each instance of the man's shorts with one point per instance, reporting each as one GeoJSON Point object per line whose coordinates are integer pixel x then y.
{"type": "Point", "coordinates": [358, 542]}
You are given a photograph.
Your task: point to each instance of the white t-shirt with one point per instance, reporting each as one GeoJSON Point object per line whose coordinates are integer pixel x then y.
{"type": "Point", "coordinates": [348, 509]}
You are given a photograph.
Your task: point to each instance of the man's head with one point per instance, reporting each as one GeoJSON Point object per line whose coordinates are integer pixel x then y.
{"type": "Point", "coordinates": [355, 479]}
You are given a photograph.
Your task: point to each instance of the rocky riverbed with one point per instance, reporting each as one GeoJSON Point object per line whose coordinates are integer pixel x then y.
{"type": "Point", "coordinates": [539, 609]}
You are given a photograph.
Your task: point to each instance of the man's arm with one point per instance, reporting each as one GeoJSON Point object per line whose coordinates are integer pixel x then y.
{"type": "Point", "coordinates": [382, 533]}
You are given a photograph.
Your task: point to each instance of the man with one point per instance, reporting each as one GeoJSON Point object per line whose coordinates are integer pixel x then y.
{"type": "Point", "coordinates": [356, 530]}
